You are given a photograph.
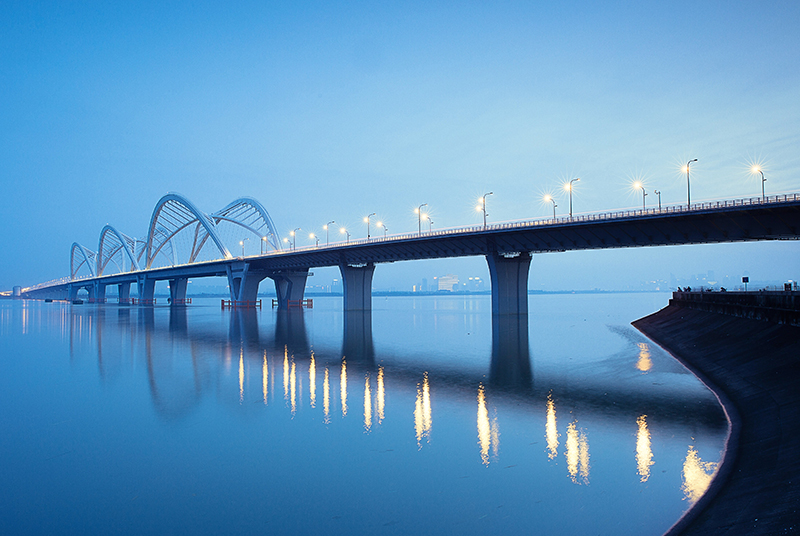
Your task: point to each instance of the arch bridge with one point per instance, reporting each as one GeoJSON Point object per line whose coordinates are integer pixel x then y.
{"type": "Point", "coordinates": [182, 243]}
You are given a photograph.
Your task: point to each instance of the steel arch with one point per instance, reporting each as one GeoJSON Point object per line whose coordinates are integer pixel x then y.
{"type": "Point", "coordinates": [83, 256]}
{"type": "Point", "coordinates": [172, 214]}
{"type": "Point", "coordinates": [111, 242]}
{"type": "Point", "coordinates": [251, 215]}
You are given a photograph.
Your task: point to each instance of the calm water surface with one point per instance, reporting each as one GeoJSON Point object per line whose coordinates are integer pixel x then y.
{"type": "Point", "coordinates": [421, 419]}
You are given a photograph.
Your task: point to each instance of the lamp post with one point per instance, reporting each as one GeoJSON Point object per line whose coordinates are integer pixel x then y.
{"type": "Point", "coordinates": [294, 239]}
{"type": "Point", "coordinates": [241, 243]}
{"type": "Point", "coordinates": [312, 236]}
{"type": "Point", "coordinates": [569, 187]}
{"type": "Point", "coordinates": [385, 230]}
{"type": "Point", "coordinates": [688, 189]}
{"type": "Point", "coordinates": [659, 198]}
{"type": "Point", "coordinates": [550, 198]}
{"type": "Point", "coordinates": [430, 225]}
{"type": "Point", "coordinates": [263, 244]}
{"type": "Point", "coordinates": [482, 207]}
{"type": "Point", "coordinates": [419, 217]}
{"type": "Point", "coordinates": [327, 241]}
{"type": "Point", "coordinates": [345, 231]}
{"type": "Point", "coordinates": [639, 186]}
{"type": "Point", "coordinates": [367, 220]}
{"type": "Point", "coordinates": [757, 169]}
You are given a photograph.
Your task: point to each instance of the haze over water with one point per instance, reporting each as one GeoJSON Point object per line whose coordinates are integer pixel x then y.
{"type": "Point", "coordinates": [197, 420]}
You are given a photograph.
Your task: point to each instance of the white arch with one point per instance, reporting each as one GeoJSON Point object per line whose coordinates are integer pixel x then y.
{"type": "Point", "coordinates": [82, 256]}
{"type": "Point", "coordinates": [251, 215]}
{"type": "Point", "coordinates": [172, 214]}
{"type": "Point", "coordinates": [111, 241]}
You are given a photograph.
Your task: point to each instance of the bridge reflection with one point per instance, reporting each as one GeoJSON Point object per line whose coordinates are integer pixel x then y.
{"type": "Point", "coordinates": [239, 357]}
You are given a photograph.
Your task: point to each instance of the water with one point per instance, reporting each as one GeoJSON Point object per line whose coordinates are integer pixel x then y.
{"type": "Point", "coordinates": [202, 421]}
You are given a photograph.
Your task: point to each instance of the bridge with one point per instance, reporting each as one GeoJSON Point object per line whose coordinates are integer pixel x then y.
{"type": "Point", "coordinates": [182, 243]}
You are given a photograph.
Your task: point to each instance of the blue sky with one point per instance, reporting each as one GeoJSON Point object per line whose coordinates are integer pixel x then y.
{"type": "Point", "coordinates": [332, 111]}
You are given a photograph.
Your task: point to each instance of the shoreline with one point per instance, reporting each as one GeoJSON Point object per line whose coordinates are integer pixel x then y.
{"type": "Point", "coordinates": [753, 368]}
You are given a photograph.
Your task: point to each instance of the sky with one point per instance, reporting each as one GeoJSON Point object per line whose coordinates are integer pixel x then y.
{"type": "Point", "coordinates": [335, 110]}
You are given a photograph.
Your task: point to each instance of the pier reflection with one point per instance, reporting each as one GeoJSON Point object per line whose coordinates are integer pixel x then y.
{"type": "Point", "coordinates": [511, 358]}
{"type": "Point", "coordinates": [243, 363]}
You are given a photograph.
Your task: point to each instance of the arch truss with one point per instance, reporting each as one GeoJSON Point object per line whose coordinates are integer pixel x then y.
{"type": "Point", "coordinates": [116, 247]}
{"type": "Point", "coordinates": [80, 256]}
{"type": "Point", "coordinates": [249, 214]}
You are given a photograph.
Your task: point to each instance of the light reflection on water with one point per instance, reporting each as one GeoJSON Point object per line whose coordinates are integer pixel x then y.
{"type": "Point", "coordinates": [391, 461]}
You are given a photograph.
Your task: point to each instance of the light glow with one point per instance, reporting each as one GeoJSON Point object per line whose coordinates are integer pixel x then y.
{"type": "Point", "coordinates": [644, 453]}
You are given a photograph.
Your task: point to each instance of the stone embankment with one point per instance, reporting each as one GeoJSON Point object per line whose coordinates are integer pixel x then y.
{"type": "Point", "coordinates": [746, 348]}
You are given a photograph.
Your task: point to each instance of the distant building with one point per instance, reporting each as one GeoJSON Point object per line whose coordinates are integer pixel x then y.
{"type": "Point", "coordinates": [447, 282]}
{"type": "Point", "coordinates": [424, 285]}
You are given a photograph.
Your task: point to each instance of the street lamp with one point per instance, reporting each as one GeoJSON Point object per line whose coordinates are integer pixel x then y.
{"type": "Point", "coordinates": [757, 169]}
{"type": "Point", "coordinates": [659, 198]}
{"type": "Point", "coordinates": [345, 231]}
{"type": "Point", "coordinates": [482, 207]}
{"type": "Point", "coordinates": [550, 198]}
{"type": "Point", "coordinates": [327, 242]}
{"type": "Point", "coordinates": [569, 188]}
{"type": "Point", "coordinates": [294, 238]}
{"type": "Point", "coordinates": [367, 221]}
{"type": "Point", "coordinates": [639, 186]}
{"type": "Point", "coordinates": [385, 230]}
{"type": "Point", "coordinates": [419, 217]}
{"type": "Point", "coordinates": [688, 190]}
{"type": "Point", "coordinates": [430, 224]}
{"type": "Point", "coordinates": [263, 244]}
{"type": "Point", "coordinates": [241, 243]}
{"type": "Point", "coordinates": [312, 236]}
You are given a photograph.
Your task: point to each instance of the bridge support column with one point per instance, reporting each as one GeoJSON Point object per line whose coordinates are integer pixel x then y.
{"type": "Point", "coordinates": [509, 276]}
{"type": "Point", "coordinates": [243, 283]}
{"type": "Point", "coordinates": [147, 290]}
{"type": "Point", "coordinates": [357, 284]}
{"type": "Point", "coordinates": [124, 291]}
{"type": "Point", "coordinates": [97, 293]}
{"type": "Point", "coordinates": [177, 290]}
{"type": "Point", "coordinates": [72, 292]}
{"type": "Point", "coordinates": [289, 286]}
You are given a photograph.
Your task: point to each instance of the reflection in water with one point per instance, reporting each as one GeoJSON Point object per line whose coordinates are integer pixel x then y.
{"type": "Point", "coordinates": [644, 454]}
{"type": "Point", "coordinates": [367, 404]}
{"type": "Point", "coordinates": [488, 431]}
{"type": "Point", "coordinates": [551, 432]}
{"type": "Point", "coordinates": [644, 363]}
{"type": "Point", "coordinates": [422, 411]}
{"type": "Point", "coordinates": [265, 378]}
{"type": "Point", "coordinates": [511, 360]}
{"type": "Point", "coordinates": [286, 374]}
{"type": "Point", "coordinates": [697, 475]}
{"type": "Point", "coordinates": [381, 395]}
{"type": "Point", "coordinates": [577, 454]}
{"type": "Point", "coordinates": [326, 397]}
{"type": "Point", "coordinates": [177, 385]}
{"type": "Point", "coordinates": [343, 387]}
{"type": "Point", "coordinates": [293, 387]}
{"type": "Point", "coordinates": [312, 381]}
{"type": "Point", "coordinates": [241, 376]}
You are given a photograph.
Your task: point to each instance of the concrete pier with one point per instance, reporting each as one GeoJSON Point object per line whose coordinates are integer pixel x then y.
{"type": "Point", "coordinates": [509, 276]}
{"type": "Point", "coordinates": [357, 285]}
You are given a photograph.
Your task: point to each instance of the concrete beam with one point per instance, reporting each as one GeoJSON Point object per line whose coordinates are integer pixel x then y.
{"type": "Point", "coordinates": [357, 284]}
{"type": "Point", "coordinates": [509, 276]}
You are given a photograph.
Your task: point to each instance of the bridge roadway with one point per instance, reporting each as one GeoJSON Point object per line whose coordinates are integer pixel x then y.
{"type": "Point", "coordinates": [507, 247]}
